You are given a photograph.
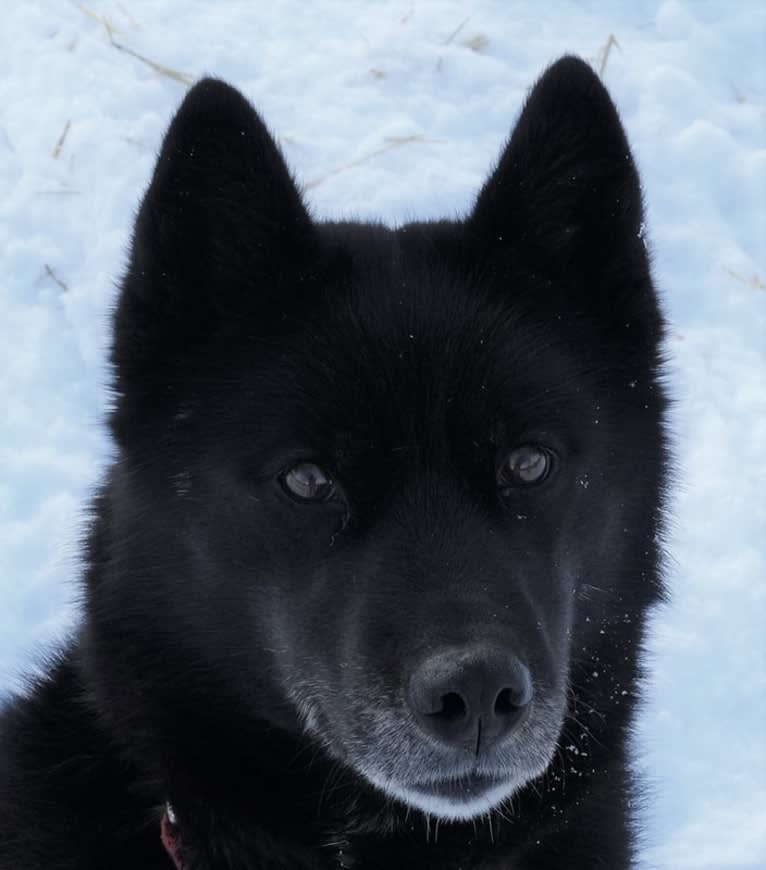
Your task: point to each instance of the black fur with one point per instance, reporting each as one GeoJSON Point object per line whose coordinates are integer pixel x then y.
{"type": "Point", "coordinates": [247, 657]}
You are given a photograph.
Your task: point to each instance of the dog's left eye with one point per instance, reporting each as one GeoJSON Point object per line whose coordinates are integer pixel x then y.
{"type": "Point", "coordinates": [308, 482]}
{"type": "Point", "coordinates": [527, 465]}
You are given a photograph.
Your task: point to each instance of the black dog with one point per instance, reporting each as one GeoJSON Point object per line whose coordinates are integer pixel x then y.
{"type": "Point", "coordinates": [367, 581]}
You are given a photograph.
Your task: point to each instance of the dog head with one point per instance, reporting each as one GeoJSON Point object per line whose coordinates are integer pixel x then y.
{"type": "Point", "coordinates": [367, 477]}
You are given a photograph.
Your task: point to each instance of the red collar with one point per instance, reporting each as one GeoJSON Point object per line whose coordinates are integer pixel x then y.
{"type": "Point", "coordinates": [170, 837]}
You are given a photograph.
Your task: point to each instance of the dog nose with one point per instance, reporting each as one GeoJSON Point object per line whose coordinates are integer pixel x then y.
{"type": "Point", "coordinates": [470, 698]}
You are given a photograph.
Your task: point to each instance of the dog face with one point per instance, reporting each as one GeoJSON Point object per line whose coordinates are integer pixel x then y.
{"type": "Point", "coordinates": [368, 478]}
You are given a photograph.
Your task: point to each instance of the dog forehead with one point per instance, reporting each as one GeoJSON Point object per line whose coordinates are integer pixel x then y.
{"type": "Point", "coordinates": [364, 367]}
{"type": "Point", "coordinates": [410, 335]}
{"type": "Point", "coordinates": [403, 338]}
{"type": "Point", "coordinates": [409, 298]}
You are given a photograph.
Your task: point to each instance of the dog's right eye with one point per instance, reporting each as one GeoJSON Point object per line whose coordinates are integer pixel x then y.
{"type": "Point", "coordinates": [308, 482]}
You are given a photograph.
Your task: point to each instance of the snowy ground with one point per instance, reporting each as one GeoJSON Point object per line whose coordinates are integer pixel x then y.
{"type": "Point", "coordinates": [396, 110]}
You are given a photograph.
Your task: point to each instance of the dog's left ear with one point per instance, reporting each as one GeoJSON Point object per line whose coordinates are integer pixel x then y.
{"type": "Point", "coordinates": [566, 188]}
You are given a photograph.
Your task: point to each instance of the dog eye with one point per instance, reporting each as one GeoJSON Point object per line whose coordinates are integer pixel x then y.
{"type": "Point", "coordinates": [308, 482]}
{"type": "Point", "coordinates": [527, 465]}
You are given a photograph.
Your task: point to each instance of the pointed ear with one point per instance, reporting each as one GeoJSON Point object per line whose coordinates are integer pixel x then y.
{"type": "Point", "coordinates": [566, 188]}
{"type": "Point", "coordinates": [221, 224]}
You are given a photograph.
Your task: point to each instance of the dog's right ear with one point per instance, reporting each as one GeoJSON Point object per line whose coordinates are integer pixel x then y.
{"type": "Point", "coordinates": [221, 219]}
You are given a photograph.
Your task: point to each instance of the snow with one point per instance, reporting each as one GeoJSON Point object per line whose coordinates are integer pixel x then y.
{"type": "Point", "coordinates": [397, 110]}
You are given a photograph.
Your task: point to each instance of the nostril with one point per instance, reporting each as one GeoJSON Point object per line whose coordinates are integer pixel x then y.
{"type": "Point", "coordinates": [504, 705]}
{"type": "Point", "coordinates": [510, 701]}
{"type": "Point", "coordinates": [453, 707]}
